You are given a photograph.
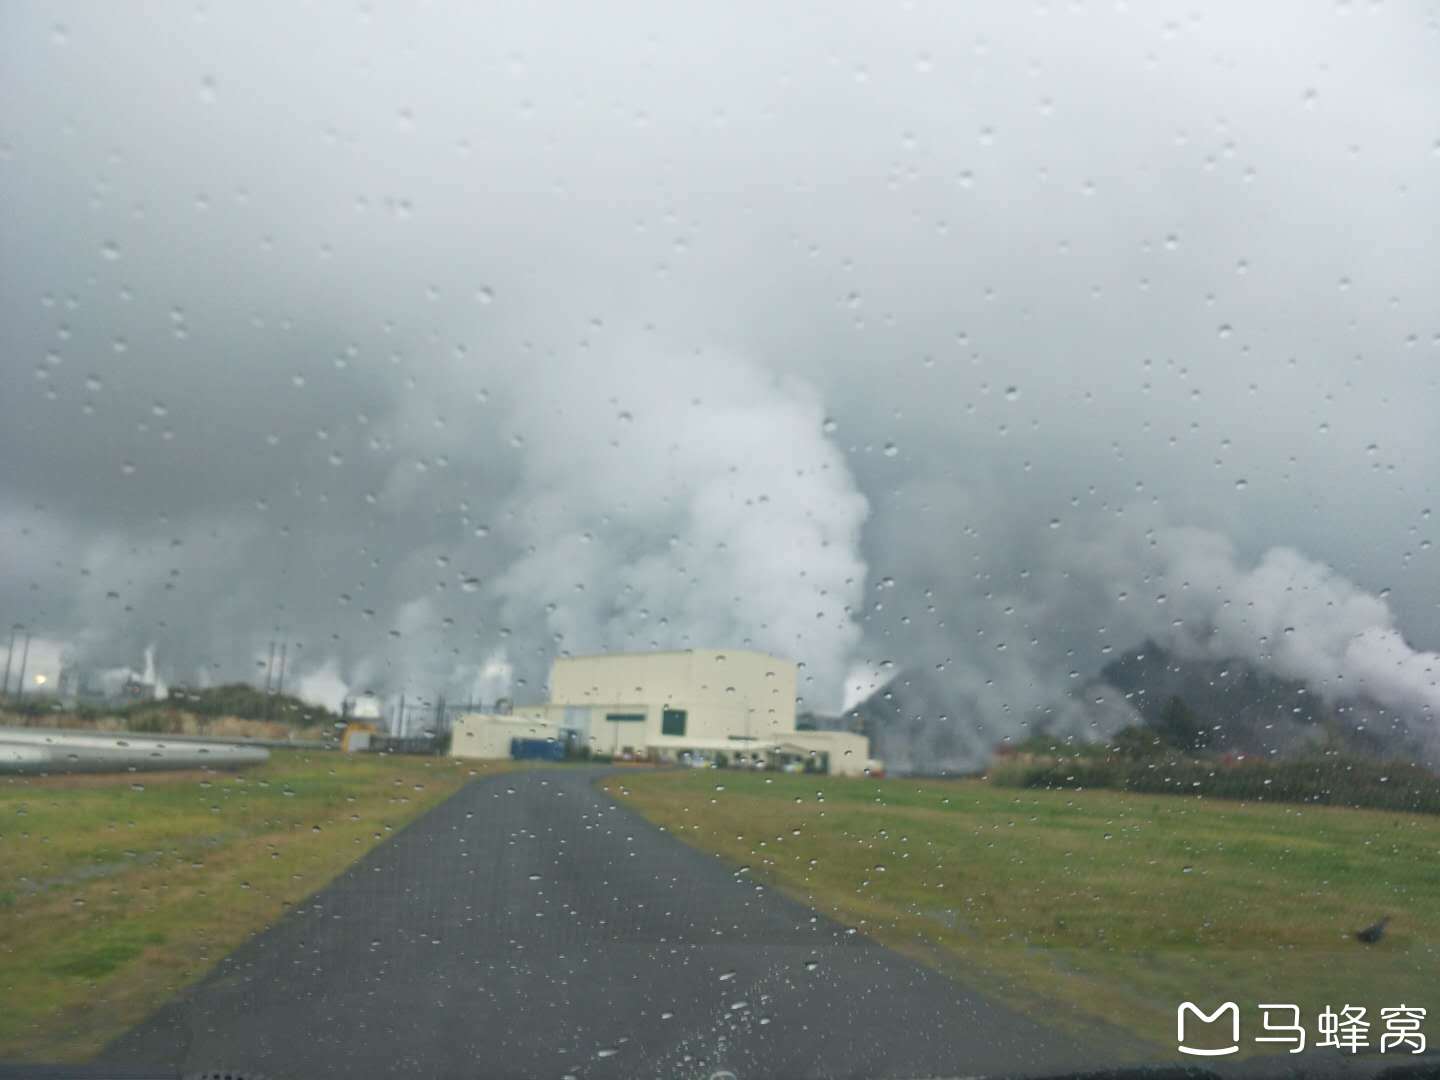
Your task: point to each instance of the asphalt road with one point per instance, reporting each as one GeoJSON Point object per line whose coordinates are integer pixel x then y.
{"type": "Point", "coordinates": [530, 927]}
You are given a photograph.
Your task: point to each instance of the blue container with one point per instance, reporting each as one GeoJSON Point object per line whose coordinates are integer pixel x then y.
{"type": "Point", "coordinates": [537, 750]}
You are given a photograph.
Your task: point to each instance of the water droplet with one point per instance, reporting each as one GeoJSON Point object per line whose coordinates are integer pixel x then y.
{"type": "Point", "coordinates": [110, 250]}
{"type": "Point", "coordinates": [890, 449]}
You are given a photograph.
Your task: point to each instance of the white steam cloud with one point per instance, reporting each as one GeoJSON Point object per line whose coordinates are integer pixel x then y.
{"type": "Point", "coordinates": [1287, 614]}
{"type": "Point", "coordinates": [703, 498]}
{"type": "Point", "coordinates": [323, 686]}
{"type": "Point", "coordinates": [493, 681]}
{"type": "Point", "coordinates": [1022, 655]}
{"type": "Point", "coordinates": [679, 501]}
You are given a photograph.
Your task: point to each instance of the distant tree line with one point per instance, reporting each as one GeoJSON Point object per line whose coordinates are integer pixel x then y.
{"type": "Point", "coordinates": [162, 716]}
{"type": "Point", "coordinates": [248, 703]}
{"type": "Point", "coordinates": [1173, 756]}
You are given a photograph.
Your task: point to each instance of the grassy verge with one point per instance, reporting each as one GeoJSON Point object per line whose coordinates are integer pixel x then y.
{"type": "Point", "coordinates": [117, 891]}
{"type": "Point", "coordinates": [1090, 906]}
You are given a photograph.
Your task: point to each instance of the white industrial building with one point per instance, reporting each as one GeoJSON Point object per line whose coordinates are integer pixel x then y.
{"type": "Point", "coordinates": [698, 704]}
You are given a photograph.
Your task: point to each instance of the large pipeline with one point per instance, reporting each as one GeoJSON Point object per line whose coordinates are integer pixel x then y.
{"type": "Point", "coordinates": [40, 750]}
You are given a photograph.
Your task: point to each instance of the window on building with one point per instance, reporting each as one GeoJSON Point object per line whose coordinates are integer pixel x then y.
{"type": "Point", "coordinates": [672, 722]}
{"type": "Point", "coordinates": [624, 718]}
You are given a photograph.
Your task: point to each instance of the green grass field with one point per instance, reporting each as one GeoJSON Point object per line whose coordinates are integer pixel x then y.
{"type": "Point", "coordinates": [1093, 906]}
{"type": "Point", "coordinates": [116, 891]}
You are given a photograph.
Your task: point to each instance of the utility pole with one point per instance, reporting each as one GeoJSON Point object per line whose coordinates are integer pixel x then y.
{"type": "Point", "coordinates": [269, 664]}
{"type": "Point", "coordinates": [24, 656]}
{"type": "Point", "coordinates": [5, 690]}
{"type": "Point", "coordinates": [280, 685]}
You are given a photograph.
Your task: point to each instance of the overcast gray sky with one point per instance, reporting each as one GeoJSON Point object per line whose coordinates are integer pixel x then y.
{"type": "Point", "coordinates": [448, 339]}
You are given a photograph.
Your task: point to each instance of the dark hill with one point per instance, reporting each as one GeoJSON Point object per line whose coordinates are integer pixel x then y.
{"type": "Point", "coordinates": [929, 722]}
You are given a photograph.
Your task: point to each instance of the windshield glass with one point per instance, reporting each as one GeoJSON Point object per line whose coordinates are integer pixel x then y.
{"type": "Point", "coordinates": [673, 540]}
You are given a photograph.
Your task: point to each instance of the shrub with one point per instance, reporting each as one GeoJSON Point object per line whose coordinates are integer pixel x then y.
{"type": "Point", "coordinates": [1330, 781]}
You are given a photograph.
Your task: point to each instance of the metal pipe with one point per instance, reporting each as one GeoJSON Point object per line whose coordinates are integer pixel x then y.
{"type": "Point", "coordinates": [24, 656]}
{"type": "Point", "coordinates": [5, 690]}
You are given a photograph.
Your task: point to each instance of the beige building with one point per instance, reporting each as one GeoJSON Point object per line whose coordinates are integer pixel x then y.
{"type": "Point", "coordinates": [488, 736]}
{"type": "Point", "coordinates": [672, 706]}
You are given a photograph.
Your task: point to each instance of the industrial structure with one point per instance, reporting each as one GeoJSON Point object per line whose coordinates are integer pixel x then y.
{"type": "Point", "coordinates": [46, 750]}
{"type": "Point", "coordinates": [731, 706]}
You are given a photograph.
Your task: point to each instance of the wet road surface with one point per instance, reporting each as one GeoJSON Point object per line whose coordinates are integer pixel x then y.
{"type": "Point", "coordinates": [531, 927]}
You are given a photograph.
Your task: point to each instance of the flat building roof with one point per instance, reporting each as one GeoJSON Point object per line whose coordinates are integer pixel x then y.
{"type": "Point", "coordinates": [667, 652]}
